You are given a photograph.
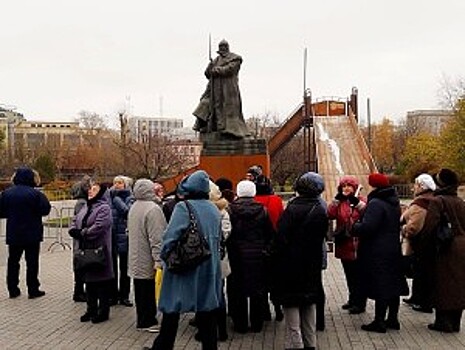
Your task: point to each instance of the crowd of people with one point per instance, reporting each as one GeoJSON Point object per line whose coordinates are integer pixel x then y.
{"type": "Point", "coordinates": [260, 251]}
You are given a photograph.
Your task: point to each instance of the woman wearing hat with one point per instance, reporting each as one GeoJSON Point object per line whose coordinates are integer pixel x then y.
{"type": "Point", "coordinates": [198, 290]}
{"type": "Point", "coordinates": [449, 264]}
{"type": "Point", "coordinates": [413, 220]}
{"type": "Point", "coordinates": [346, 209]}
{"type": "Point", "coordinates": [379, 254]}
{"type": "Point", "coordinates": [251, 235]}
{"type": "Point", "coordinates": [301, 230]}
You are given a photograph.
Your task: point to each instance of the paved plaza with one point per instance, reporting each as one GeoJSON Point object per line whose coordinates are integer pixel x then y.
{"type": "Point", "coordinates": [52, 322]}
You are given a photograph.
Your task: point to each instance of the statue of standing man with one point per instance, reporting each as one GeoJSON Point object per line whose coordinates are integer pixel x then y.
{"type": "Point", "coordinates": [220, 107]}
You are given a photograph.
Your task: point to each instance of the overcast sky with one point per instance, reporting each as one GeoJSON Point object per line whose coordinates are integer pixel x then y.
{"type": "Point", "coordinates": [59, 57]}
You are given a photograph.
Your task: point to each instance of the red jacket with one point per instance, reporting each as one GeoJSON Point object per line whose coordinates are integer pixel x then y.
{"type": "Point", "coordinates": [345, 216]}
{"type": "Point", "coordinates": [274, 206]}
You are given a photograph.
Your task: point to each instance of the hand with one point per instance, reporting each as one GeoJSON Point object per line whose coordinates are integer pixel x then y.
{"type": "Point", "coordinates": [354, 200]}
{"type": "Point", "coordinates": [75, 233]}
{"type": "Point", "coordinates": [340, 197]}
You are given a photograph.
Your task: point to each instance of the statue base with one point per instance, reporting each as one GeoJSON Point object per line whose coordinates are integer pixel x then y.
{"type": "Point", "coordinates": [232, 158]}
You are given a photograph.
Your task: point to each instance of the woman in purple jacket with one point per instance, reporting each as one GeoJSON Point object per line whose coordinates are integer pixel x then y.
{"type": "Point", "coordinates": [92, 227]}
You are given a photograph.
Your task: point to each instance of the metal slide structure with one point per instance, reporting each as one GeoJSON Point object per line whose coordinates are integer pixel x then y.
{"type": "Point", "coordinates": [339, 147]}
{"type": "Point", "coordinates": [341, 150]}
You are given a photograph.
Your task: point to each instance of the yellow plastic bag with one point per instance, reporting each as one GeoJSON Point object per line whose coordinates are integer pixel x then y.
{"type": "Point", "coordinates": [158, 281]}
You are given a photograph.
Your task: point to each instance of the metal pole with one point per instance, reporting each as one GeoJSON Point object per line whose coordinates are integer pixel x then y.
{"type": "Point", "coordinates": [369, 123]}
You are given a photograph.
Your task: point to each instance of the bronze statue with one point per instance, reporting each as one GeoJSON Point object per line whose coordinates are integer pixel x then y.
{"type": "Point", "coordinates": [220, 107]}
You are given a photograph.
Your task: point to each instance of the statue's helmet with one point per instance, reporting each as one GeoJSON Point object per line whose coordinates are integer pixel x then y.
{"type": "Point", "coordinates": [223, 46]}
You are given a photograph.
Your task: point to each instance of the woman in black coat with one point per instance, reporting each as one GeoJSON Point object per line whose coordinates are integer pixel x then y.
{"type": "Point", "coordinates": [380, 254]}
{"type": "Point", "coordinates": [301, 230]}
{"type": "Point", "coordinates": [250, 238]}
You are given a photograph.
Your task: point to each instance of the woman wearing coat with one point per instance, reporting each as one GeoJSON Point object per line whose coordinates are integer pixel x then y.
{"type": "Point", "coordinates": [301, 231]}
{"type": "Point", "coordinates": [414, 242]}
{"type": "Point", "coordinates": [92, 227]}
{"type": "Point", "coordinates": [251, 235]}
{"type": "Point", "coordinates": [346, 209]}
{"type": "Point", "coordinates": [197, 290]}
{"type": "Point", "coordinates": [449, 264]}
{"type": "Point", "coordinates": [379, 254]}
{"type": "Point", "coordinates": [121, 201]}
{"type": "Point", "coordinates": [146, 224]}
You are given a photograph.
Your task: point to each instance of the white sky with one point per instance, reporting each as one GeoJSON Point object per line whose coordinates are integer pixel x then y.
{"type": "Point", "coordinates": [59, 57]}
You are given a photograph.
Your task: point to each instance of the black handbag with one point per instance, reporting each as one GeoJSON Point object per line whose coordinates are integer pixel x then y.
{"type": "Point", "coordinates": [190, 250]}
{"type": "Point", "coordinates": [89, 259]}
{"type": "Point", "coordinates": [444, 234]}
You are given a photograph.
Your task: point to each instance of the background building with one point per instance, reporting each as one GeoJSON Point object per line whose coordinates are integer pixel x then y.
{"type": "Point", "coordinates": [431, 121]}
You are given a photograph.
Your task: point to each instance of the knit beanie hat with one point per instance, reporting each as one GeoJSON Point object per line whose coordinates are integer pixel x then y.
{"type": "Point", "coordinates": [426, 182]}
{"type": "Point", "coordinates": [446, 177]}
{"type": "Point", "coordinates": [378, 180]}
{"type": "Point", "coordinates": [246, 188]}
{"type": "Point", "coordinates": [309, 184]}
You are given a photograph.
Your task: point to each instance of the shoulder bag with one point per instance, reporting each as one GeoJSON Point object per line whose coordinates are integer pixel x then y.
{"type": "Point", "coordinates": [190, 250]}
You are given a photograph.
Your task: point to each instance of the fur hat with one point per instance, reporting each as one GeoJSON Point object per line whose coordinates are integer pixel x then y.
{"type": "Point", "coordinates": [246, 188]}
{"type": "Point", "coordinates": [224, 184]}
{"type": "Point", "coordinates": [263, 185]}
{"type": "Point", "coordinates": [426, 182]}
{"type": "Point", "coordinates": [309, 184]}
{"type": "Point", "coordinates": [378, 180]}
{"type": "Point", "coordinates": [446, 178]}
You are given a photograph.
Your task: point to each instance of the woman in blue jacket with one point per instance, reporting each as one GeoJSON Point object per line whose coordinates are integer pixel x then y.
{"type": "Point", "coordinates": [197, 290]}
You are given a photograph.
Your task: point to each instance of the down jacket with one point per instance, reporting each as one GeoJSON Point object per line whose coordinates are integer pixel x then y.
{"type": "Point", "coordinates": [23, 206]}
{"type": "Point", "coordinates": [299, 260]}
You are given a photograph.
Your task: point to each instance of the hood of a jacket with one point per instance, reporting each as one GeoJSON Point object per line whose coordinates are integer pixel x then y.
{"type": "Point", "coordinates": [24, 176]}
{"type": "Point", "coordinates": [144, 190]}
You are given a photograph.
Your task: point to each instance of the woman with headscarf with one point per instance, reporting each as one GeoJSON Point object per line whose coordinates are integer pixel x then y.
{"type": "Point", "coordinates": [413, 243]}
{"type": "Point", "coordinates": [301, 231]}
{"type": "Point", "coordinates": [92, 227]}
{"type": "Point", "coordinates": [197, 290]}
{"type": "Point", "coordinates": [251, 234]}
{"type": "Point", "coordinates": [448, 272]}
{"type": "Point", "coordinates": [346, 209]}
{"type": "Point", "coordinates": [380, 254]}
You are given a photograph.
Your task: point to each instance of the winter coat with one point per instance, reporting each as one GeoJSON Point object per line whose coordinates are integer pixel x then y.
{"type": "Point", "coordinates": [121, 201]}
{"type": "Point", "coordinates": [146, 224]}
{"type": "Point", "coordinates": [227, 104]}
{"type": "Point", "coordinates": [413, 220]}
{"type": "Point", "coordinates": [449, 264]}
{"type": "Point", "coordinates": [199, 289]}
{"type": "Point", "coordinates": [345, 216]}
{"type": "Point", "coordinates": [274, 206]}
{"type": "Point", "coordinates": [251, 235]}
{"type": "Point", "coordinates": [23, 206]}
{"type": "Point", "coordinates": [379, 249]}
{"type": "Point", "coordinates": [299, 259]}
{"type": "Point", "coordinates": [95, 221]}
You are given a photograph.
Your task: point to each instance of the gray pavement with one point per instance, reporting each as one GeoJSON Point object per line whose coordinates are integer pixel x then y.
{"type": "Point", "coordinates": [52, 322]}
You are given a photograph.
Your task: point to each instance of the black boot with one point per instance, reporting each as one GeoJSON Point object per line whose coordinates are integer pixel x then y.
{"type": "Point", "coordinates": [221, 319]}
{"type": "Point", "coordinates": [375, 326]}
